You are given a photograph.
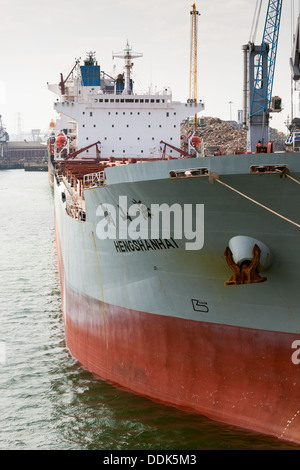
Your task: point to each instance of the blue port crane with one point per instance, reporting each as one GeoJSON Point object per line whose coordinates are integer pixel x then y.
{"type": "Point", "coordinates": [263, 85]}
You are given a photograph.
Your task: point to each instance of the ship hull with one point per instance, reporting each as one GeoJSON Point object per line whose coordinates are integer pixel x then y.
{"type": "Point", "coordinates": [230, 360]}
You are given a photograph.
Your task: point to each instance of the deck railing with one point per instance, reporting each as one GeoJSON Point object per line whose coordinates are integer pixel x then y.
{"type": "Point", "coordinates": [93, 180]}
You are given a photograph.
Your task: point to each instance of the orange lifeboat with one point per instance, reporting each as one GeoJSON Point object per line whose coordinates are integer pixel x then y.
{"type": "Point", "coordinates": [196, 141]}
{"type": "Point", "coordinates": [60, 140]}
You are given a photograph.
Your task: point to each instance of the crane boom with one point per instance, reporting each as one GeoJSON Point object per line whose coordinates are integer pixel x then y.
{"type": "Point", "coordinates": [180, 151]}
{"type": "Point", "coordinates": [77, 152]}
{"type": "Point", "coordinates": [263, 85]}
{"type": "Point", "coordinates": [63, 81]}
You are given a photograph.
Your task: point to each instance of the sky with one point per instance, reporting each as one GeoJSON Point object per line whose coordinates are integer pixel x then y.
{"type": "Point", "coordinates": [41, 39]}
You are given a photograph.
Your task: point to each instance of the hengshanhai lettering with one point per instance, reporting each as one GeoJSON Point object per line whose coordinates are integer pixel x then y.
{"type": "Point", "coordinates": [124, 246]}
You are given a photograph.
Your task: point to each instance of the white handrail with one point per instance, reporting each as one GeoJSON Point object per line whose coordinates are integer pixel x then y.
{"type": "Point", "coordinates": [94, 179]}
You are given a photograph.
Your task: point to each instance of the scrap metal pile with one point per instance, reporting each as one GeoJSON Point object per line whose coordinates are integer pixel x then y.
{"type": "Point", "coordinates": [226, 137]}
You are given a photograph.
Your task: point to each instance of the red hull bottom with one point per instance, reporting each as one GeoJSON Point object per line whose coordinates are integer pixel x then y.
{"type": "Point", "coordinates": [239, 376]}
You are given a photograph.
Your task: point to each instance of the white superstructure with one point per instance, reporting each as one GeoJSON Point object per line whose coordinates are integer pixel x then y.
{"type": "Point", "coordinates": [107, 110]}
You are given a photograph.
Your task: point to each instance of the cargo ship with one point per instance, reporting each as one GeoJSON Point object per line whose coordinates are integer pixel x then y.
{"type": "Point", "coordinates": [179, 273]}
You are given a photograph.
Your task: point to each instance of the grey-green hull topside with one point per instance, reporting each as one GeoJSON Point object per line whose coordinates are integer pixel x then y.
{"type": "Point", "coordinates": [181, 278]}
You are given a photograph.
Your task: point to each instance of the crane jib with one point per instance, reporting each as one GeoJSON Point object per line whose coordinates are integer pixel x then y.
{"type": "Point", "coordinates": [263, 86]}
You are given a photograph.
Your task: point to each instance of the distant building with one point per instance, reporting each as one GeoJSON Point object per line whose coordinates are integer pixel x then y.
{"type": "Point", "coordinates": [25, 152]}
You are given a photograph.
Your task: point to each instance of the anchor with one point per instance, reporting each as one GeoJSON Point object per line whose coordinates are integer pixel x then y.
{"type": "Point", "coordinates": [246, 273]}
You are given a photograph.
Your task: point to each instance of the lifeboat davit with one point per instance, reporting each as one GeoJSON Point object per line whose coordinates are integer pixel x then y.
{"type": "Point", "coordinates": [60, 140]}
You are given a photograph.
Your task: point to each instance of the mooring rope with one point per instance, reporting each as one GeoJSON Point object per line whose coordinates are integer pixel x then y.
{"type": "Point", "coordinates": [215, 177]}
{"type": "Point", "coordinates": [285, 173]}
{"type": "Point", "coordinates": [293, 179]}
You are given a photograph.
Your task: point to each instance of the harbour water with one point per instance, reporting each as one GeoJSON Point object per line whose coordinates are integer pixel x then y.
{"type": "Point", "coordinates": [48, 401]}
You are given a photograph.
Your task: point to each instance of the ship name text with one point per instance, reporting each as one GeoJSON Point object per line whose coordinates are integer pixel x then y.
{"type": "Point", "coordinates": [124, 246]}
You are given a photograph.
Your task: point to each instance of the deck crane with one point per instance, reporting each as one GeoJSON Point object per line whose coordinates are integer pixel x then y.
{"type": "Point", "coordinates": [63, 81]}
{"type": "Point", "coordinates": [259, 93]}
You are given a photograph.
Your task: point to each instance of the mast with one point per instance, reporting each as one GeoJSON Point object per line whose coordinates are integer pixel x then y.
{"type": "Point", "coordinates": [193, 65]}
{"type": "Point", "coordinates": [127, 55]}
{"type": "Point", "coordinates": [193, 59]}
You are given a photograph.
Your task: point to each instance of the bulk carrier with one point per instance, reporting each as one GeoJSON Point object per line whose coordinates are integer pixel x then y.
{"type": "Point", "coordinates": [211, 324]}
